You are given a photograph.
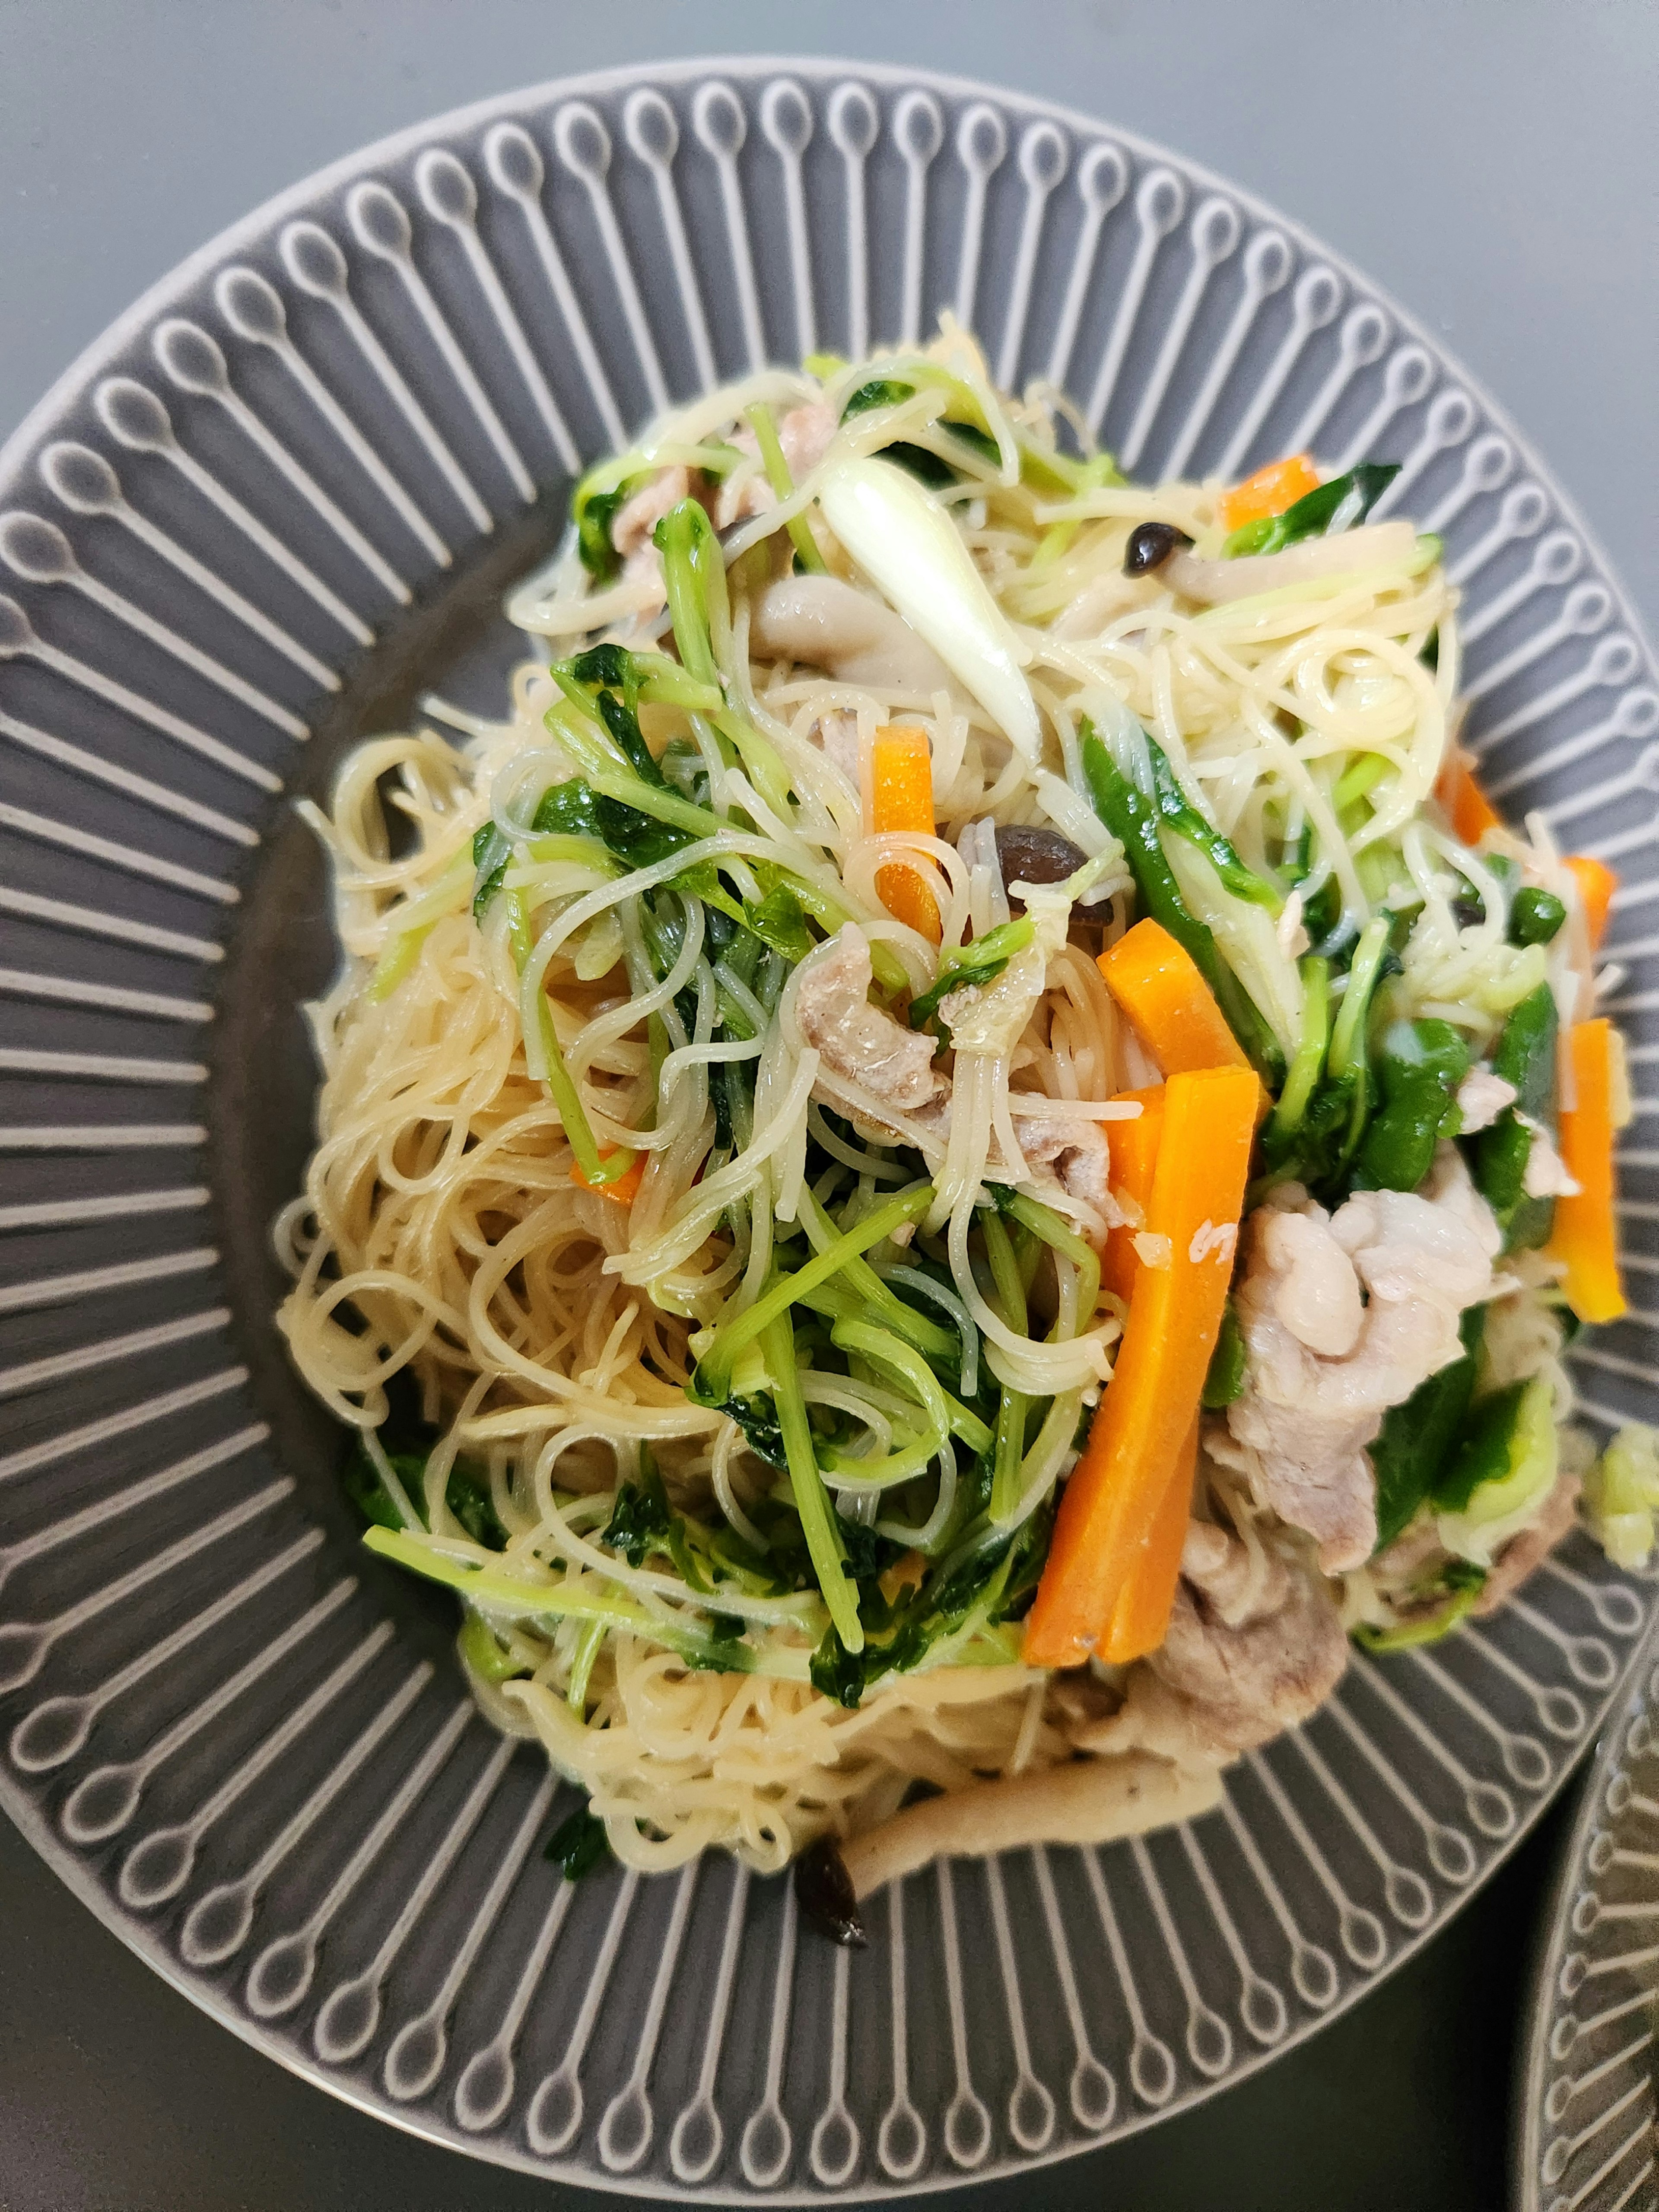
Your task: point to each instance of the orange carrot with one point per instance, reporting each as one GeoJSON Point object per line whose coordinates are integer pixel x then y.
{"type": "Point", "coordinates": [1141, 1615]}
{"type": "Point", "coordinates": [1269, 491]}
{"type": "Point", "coordinates": [1586, 1235]}
{"type": "Point", "coordinates": [1596, 886]}
{"type": "Point", "coordinates": [1159, 986]}
{"type": "Point", "coordinates": [1111, 1503]}
{"type": "Point", "coordinates": [1133, 1147]}
{"type": "Point", "coordinates": [623, 1191]}
{"type": "Point", "coordinates": [901, 798]}
{"type": "Point", "coordinates": [1471, 811]}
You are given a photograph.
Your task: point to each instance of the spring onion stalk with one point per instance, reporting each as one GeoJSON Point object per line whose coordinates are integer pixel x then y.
{"type": "Point", "coordinates": [875, 1299]}
{"type": "Point", "coordinates": [588, 1642]}
{"type": "Point", "coordinates": [778, 476]}
{"type": "Point", "coordinates": [1008, 1457]}
{"type": "Point", "coordinates": [1347, 1042]}
{"type": "Point", "coordinates": [712, 1379]}
{"type": "Point", "coordinates": [1309, 1061]}
{"type": "Point", "coordinates": [448, 896]}
{"type": "Point", "coordinates": [883, 1349]}
{"type": "Point", "coordinates": [502, 1593]}
{"type": "Point", "coordinates": [811, 1498]}
{"type": "Point", "coordinates": [911, 551]}
{"type": "Point", "coordinates": [1095, 475]}
{"type": "Point", "coordinates": [1043, 1222]}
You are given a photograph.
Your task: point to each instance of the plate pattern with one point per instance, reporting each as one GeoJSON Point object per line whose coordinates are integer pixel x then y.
{"type": "Point", "coordinates": [244, 1744]}
{"type": "Point", "coordinates": [1585, 2137]}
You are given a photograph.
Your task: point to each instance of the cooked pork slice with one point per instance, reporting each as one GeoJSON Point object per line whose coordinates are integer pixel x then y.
{"type": "Point", "coordinates": [837, 735]}
{"type": "Point", "coordinates": [1316, 1386]}
{"type": "Point", "coordinates": [804, 434]}
{"type": "Point", "coordinates": [639, 515]}
{"type": "Point", "coordinates": [1076, 1149]}
{"type": "Point", "coordinates": [1217, 1686]}
{"type": "Point", "coordinates": [1481, 1097]}
{"type": "Point", "coordinates": [1523, 1552]}
{"type": "Point", "coordinates": [858, 1040]}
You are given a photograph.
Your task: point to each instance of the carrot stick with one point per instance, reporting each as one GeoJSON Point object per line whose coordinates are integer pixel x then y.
{"type": "Point", "coordinates": [1134, 1146]}
{"type": "Point", "coordinates": [1141, 1615]}
{"type": "Point", "coordinates": [1110, 1504]}
{"type": "Point", "coordinates": [1269, 491]}
{"type": "Point", "coordinates": [1585, 1235]}
{"type": "Point", "coordinates": [1159, 986]}
{"type": "Point", "coordinates": [623, 1191]}
{"type": "Point", "coordinates": [901, 798]}
{"type": "Point", "coordinates": [1471, 811]}
{"type": "Point", "coordinates": [1596, 886]}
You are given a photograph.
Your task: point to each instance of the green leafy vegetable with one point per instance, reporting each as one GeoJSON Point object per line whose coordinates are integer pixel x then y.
{"type": "Point", "coordinates": [594, 516]}
{"type": "Point", "coordinates": [1355, 495]}
{"type": "Point", "coordinates": [491, 851]}
{"type": "Point", "coordinates": [981, 960]}
{"type": "Point", "coordinates": [577, 1844]}
{"type": "Point", "coordinates": [467, 1494]}
{"type": "Point", "coordinates": [1416, 1438]}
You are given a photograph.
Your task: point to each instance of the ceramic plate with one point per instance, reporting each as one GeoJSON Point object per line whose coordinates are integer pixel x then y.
{"type": "Point", "coordinates": [277, 501]}
{"type": "Point", "coordinates": [1585, 2141]}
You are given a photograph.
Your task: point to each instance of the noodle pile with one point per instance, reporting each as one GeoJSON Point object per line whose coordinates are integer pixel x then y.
{"type": "Point", "coordinates": [464, 1276]}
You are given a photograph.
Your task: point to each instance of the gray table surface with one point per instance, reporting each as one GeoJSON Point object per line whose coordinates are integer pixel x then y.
{"type": "Point", "coordinates": [1492, 163]}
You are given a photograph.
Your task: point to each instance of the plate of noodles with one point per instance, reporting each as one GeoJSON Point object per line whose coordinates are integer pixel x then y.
{"type": "Point", "coordinates": [831, 979]}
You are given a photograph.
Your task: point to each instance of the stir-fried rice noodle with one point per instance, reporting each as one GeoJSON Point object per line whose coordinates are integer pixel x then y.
{"type": "Point", "coordinates": [456, 1275]}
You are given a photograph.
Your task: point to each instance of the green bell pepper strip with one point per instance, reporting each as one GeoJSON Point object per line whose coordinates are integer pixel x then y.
{"type": "Point", "coordinates": [1420, 1066]}
{"type": "Point", "coordinates": [1416, 1438]}
{"type": "Point", "coordinates": [817, 1520]}
{"type": "Point", "coordinates": [1525, 1058]}
{"type": "Point", "coordinates": [1535, 915]}
{"type": "Point", "coordinates": [1224, 1377]}
{"type": "Point", "coordinates": [1136, 823]}
{"type": "Point", "coordinates": [1485, 1449]}
{"type": "Point", "coordinates": [711, 1381]}
{"type": "Point", "coordinates": [1462, 1582]}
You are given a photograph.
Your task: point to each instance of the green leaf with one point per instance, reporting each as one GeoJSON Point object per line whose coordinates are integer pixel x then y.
{"type": "Point", "coordinates": [577, 1845]}
{"type": "Point", "coordinates": [594, 516]}
{"type": "Point", "coordinates": [491, 851]}
{"type": "Point", "coordinates": [1311, 515]}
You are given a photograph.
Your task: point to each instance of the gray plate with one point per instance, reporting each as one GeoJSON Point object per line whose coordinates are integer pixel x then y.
{"type": "Point", "coordinates": [276, 501]}
{"type": "Point", "coordinates": [1584, 2141]}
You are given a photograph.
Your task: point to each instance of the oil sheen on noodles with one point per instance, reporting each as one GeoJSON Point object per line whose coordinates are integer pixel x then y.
{"type": "Point", "coordinates": [564, 1411]}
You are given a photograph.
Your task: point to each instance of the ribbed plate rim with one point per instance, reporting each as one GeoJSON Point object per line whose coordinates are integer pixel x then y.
{"type": "Point", "coordinates": [68, 387]}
